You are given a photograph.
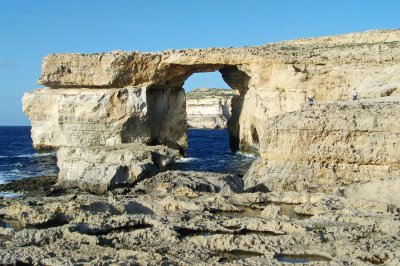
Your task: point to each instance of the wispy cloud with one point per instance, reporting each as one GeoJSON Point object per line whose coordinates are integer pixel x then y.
{"type": "Point", "coordinates": [7, 65]}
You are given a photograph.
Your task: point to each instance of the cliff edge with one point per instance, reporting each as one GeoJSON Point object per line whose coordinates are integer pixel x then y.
{"type": "Point", "coordinates": [209, 107]}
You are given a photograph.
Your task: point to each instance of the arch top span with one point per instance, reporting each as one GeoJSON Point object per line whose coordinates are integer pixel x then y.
{"type": "Point", "coordinates": [134, 69]}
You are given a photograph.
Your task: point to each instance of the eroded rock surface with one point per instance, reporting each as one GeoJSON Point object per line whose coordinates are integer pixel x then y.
{"type": "Point", "coordinates": [93, 117]}
{"type": "Point", "coordinates": [324, 178]}
{"type": "Point", "coordinates": [209, 108]}
{"type": "Point", "coordinates": [99, 168]}
{"type": "Point", "coordinates": [196, 227]}
{"type": "Point", "coordinates": [329, 145]}
{"type": "Point", "coordinates": [272, 79]}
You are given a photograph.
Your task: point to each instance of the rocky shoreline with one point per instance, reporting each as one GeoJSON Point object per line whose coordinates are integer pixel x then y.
{"type": "Point", "coordinates": [186, 218]}
{"type": "Point", "coordinates": [323, 191]}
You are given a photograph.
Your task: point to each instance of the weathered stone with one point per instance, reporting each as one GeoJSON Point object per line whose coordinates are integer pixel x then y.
{"type": "Point", "coordinates": [271, 79]}
{"type": "Point", "coordinates": [98, 168]}
{"type": "Point", "coordinates": [208, 229]}
{"type": "Point", "coordinates": [171, 182]}
{"type": "Point", "coordinates": [310, 149]}
{"type": "Point", "coordinates": [386, 191]}
{"type": "Point", "coordinates": [209, 108]}
{"type": "Point", "coordinates": [92, 117]}
{"type": "Point", "coordinates": [327, 145]}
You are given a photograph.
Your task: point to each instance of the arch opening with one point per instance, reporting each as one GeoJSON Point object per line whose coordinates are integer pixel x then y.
{"type": "Point", "coordinates": [238, 81]}
{"type": "Point", "coordinates": [215, 150]}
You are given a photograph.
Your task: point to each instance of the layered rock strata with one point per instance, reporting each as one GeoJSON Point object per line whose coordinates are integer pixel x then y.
{"type": "Point", "coordinates": [271, 79]}
{"type": "Point", "coordinates": [91, 117]}
{"type": "Point", "coordinates": [146, 90]}
{"type": "Point", "coordinates": [209, 108]}
{"type": "Point", "coordinates": [333, 167]}
{"type": "Point", "coordinates": [102, 135]}
{"type": "Point", "coordinates": [329, 145]}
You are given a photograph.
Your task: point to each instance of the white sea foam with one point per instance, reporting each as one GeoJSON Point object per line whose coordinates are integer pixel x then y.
{"type": "Point", "coordinates": [187, 159]}
{"type": "Point", "coordinates": [248, 155]}
{"type": "Point", "coordinates": [6, 194]}
{"type": "Point", "coordinates": [35, 155]}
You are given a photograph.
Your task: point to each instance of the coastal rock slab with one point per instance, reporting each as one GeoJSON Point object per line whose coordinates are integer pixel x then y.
{"type": "Point", "coordinates": [99, 168]}
{"type": "Point", "coordinates": [177, 181]}
{"type": "Point", "coordinates": [128, 226]}
{"type": "Point", "coordinates": [328, 145]}
{"type": "Point", "coordinates": [386, 191]}
{"type": "Point", "coordinates": [92, 117]}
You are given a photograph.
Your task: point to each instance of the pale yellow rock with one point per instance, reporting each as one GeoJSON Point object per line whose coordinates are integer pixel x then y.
{"type": "Point", "coordinates": [209, 108]}
{"type": "Point", "coordinates": [386, 191]}
{"type": "Point", "coordinates": [327, 145]}
{"type": "Point", "coordinates": [99, 168]}
{"type": "Point", "coordinates": [316, 148]}
{"type": "Point", "coordinates": [272, 79]}
{"type": "Point", "coordinates": [90, 117]}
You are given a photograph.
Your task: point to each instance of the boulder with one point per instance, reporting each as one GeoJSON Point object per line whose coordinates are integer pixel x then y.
{"type": "Point", "coordinates": [99, 168]}
{"type": "Point", "coordinates": [173, 181]}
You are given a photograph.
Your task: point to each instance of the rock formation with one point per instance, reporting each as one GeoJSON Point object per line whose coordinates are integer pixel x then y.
{"type": "Point", "coordinates": [208, 108]}
{"type": "Point", "coordinates": [324, 190]}
{"type": "Point", "coordinates": [196, 220]}
{"type": "Point", "coordinates": [92, 117]}
{"type": "Point", "coordinates": [99, 168]}
{"type": "Point", "coordinates": [126, 97]}
{"type": "Point", "coordinates": [329, 145]}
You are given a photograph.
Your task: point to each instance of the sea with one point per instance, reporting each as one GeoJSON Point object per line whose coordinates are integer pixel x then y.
{"type": "Point", "coordinates": [208, 150]}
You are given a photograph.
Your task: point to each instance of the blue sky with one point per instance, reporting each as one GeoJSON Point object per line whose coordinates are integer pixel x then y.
{"type": "Point", "coordinates": [31, 29]}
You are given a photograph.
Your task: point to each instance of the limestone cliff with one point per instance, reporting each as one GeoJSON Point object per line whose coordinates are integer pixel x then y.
{"type": "Point", "coordinates": [329, 145]}
{"type": "Point", "coordinates": [208, 108]}
{"type": "Point", "coordinates": [124, 97]}
{"type": "Point", "coordinates": [271, 79]}
{"type": "Point", "coordinates": [90, 117]}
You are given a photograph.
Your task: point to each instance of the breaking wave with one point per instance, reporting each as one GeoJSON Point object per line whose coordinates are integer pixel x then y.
{"type": "Point", "coordinates": [187, 159]}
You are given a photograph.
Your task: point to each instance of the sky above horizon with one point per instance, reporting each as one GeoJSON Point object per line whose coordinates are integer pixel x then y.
{"type": "Point", "coordinates": [32, 29]}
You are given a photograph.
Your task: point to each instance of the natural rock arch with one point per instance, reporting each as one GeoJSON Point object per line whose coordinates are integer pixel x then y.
{"type": "Point", "coordinates": [104, 100]}
{"type": "Point", "coordinates": [237, 79]}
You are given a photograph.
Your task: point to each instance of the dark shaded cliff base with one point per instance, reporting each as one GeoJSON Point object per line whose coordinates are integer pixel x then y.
{"type": "Point", "coordinates": [192, 218]}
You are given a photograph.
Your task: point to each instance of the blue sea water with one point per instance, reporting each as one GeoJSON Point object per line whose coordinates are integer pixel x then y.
{"type": "Point", "coordinates": [208, 151]}
{"type": "Point", "coordinates": [17, 157]}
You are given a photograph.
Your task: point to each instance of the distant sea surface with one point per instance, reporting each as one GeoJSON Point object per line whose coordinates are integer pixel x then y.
{"type": "Point", "coordinates": [208, 151]}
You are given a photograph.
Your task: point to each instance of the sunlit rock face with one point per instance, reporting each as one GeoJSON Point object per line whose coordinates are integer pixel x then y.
{"type": "Point", "coordinates": [271, 79]}
{"type": "Point", "coordinates": [326, 146]}
{"type": "Point", "coordinates": [105, 137]}
{"type": "Point", "coordinates": [93, 117]}
{"type": "Point", "coordinates": [209, 108]}
{"type": "Point", "coordinates": [100, 168]}
{"type": "Point", "coordinates": [144, 102]}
